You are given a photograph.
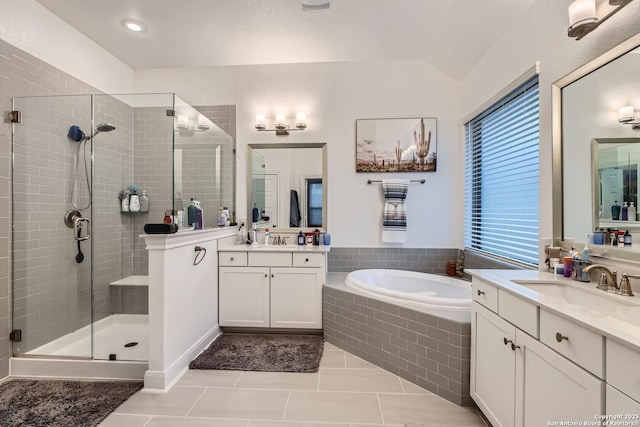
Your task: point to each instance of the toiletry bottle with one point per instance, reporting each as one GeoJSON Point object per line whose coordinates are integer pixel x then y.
{"type": "Point", "coordinates": [309, 239]}
{"type": "Point", "coordinates": [144, 202]}
{"type": "Point", "coordinates": [134, 202]}
{"type": "Point", "coordinates": [222, 220]}
{"type": "Point", "coordinates": [191, 212]}
{"type": "Point", "coordinates": [267, 234]}
{"type": "Point", "coordinates": [615, 211]}
{"type": "Point", "coordinates": [300, 239]}
{"type": "Point", "coordinates": [624, 214]}
{"type": "Point", "coordinates": [627, 238]}
{"type": "Point", "coordinates": [167, 217]}
{"type": "Point", "coordinates": [227, 217]}
{"type": "Point", "coordinates": [620, 238]}
{"type": "Point", "coordinates": [632, 212]}
{"type": "Point", "coordinates": [585, 251]}
{"type": "Point", "coordinates": [255, 213]}
{"type": "Point", "coordinates": [199, 224]}
{"type": "Point", "coordinates": [125, 204]}
{"type": "Point", "coordinates": [316, 237]}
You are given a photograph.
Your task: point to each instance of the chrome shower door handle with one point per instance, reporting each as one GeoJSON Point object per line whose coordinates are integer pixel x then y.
{"type": "Point", "coordinates": [80, 224]}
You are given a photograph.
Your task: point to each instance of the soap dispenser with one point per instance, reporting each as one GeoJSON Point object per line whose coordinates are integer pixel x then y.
{"type": "Point", "coordinates": [625, 211]}
{"type": "Point", "coordinates": [300, 239]}
{"type": "Point", "coordinates": [615, 211]}
{"type": "Point", "coordinates": [632, 212]}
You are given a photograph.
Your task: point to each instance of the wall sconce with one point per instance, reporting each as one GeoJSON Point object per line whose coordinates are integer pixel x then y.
{"type": "Point", "coordinates": [184, 123]}
{"type": "Point", "coordinates": [627, 116]}
{"type": "Point", "coordinates": [281, 128]}
{"type": "Point", "coordinates": [586, 15]}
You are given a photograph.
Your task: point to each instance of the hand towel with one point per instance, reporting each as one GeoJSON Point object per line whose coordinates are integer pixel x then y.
{"type": "Point", "coordinates": [394, 219]}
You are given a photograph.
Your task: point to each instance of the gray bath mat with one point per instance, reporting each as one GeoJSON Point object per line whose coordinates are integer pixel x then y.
{"type": "Point", "coordinates": [61, 403]}
{"type": "Point", "coordinates": [262, 352]}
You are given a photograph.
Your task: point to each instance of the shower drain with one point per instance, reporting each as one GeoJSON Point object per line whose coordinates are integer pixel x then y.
{"type": "Point", "coordinates": [131, 344]}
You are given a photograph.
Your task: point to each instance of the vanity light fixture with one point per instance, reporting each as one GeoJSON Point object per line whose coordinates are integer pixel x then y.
{"type": "Point", "coordinates": [587, 15]}
{"type": "Point", "coordinates": [281, 128]}
{"type": "Point", "coordinates": [627, 116]}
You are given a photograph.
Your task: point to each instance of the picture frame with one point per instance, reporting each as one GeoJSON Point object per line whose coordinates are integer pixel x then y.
{"type": "Point", "coordinates": [396, 145]}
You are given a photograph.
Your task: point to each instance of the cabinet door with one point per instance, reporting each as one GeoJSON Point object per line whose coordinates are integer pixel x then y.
{"type": "Point", "coordinates": [620, 404]}
{"type": "Point", "coordinates": [492, 366]}
{"type": "Point", "coordinates": [244, 296]}
{"type": "Point", "coordinates": [551, 388]}
{"type": "Point", "coordinates": [296, 298]}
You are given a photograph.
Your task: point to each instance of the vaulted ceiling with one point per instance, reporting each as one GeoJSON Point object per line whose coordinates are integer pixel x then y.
{"type": "Point", "coordinates": [451, 35]}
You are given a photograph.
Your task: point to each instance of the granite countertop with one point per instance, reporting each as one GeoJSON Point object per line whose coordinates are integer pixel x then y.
{"type": "Point", "coordinates": [615, 316]}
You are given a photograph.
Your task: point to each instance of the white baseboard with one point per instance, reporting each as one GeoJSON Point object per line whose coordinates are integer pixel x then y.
{"type": "Point", "coordinates": [163, 381]}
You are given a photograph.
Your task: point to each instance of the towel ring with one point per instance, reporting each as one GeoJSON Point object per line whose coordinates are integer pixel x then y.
{"type": "Point", "coordinates": [200, 251]}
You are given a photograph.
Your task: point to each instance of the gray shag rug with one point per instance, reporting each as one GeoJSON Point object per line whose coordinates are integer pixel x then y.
{"type": "Point", "coordinates": [61, 403]}
{"type": "Point", "coordinates": [262, 352]}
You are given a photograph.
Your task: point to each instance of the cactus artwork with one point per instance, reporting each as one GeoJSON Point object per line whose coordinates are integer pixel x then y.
{"type": "Point", "coordinates": [396, 145]}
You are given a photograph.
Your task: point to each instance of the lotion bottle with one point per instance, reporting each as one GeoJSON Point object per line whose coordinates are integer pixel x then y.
{"type": "Point", "coordinates": [632, 212]}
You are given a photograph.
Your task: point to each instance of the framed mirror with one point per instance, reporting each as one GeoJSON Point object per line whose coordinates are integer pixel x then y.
{"type": "Point", "coordinates": [587, 136]}
{"type": "Point", "coordinates": [287, 186]}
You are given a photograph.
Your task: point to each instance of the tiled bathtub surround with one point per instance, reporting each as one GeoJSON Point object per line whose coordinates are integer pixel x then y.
{"type": "Point", "coordinates": [425, 260]}
{"type": "Point", "coordinates": [425, 349]}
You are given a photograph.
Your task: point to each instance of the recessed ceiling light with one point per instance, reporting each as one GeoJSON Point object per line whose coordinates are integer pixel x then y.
{"type": "Point", "coordinates": [134, 26]}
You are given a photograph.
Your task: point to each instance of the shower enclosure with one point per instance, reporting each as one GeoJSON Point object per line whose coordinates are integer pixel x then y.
{"type": "Point", "coordinates": [79, 267]}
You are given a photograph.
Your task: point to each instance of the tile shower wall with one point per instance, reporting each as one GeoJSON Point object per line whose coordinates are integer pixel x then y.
{"type": "Point", "coordinates": [152, 171]}
{"type": "Point", "coordinates": [113, 231]}
{"type": "Point", "coordinates": [424, 260]}
{"type": "Point", "coordinates": [426, 350]}
{"type": "Point", "coordinates": [47, 170]}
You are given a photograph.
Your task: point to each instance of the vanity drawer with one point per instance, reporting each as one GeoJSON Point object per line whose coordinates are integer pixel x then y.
{"type": "Point", "coordinates": [227, 259]}
{"type": "Point", "coordinates": [580, 345]}
{"type": "Point", "coordinates": [269, 259]}
{"type": "Point", "coordinates": [485, 294]}
{"type": "Point", "coordinates": [521, 313]}
{"type": "Point", "coordinates": [308, 260]}
{"type": "Point", "coordinates": [622, 369]}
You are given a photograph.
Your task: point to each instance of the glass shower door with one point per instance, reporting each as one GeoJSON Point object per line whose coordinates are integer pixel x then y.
{"type": "Point", "coordinates": [50, 260]}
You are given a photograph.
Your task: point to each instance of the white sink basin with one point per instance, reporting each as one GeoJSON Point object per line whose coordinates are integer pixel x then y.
{"type": "Point", "coordinates": [571, 295]}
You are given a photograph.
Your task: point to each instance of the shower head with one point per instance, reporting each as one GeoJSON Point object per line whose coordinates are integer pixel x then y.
{"type": "Point", "coordinates": [78, 135]}
{"type": "Point", "coordinates": [104, 127]}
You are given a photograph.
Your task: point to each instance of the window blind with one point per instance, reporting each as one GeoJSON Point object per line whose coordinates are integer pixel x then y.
{"type": "Point", "coordinates": [501, 176]}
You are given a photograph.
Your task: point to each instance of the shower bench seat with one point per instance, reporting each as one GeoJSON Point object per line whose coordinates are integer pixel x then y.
{"type": "Point", "coordinates": [128, 283]}
{"type": "Point", "coordinates": [134, 280]}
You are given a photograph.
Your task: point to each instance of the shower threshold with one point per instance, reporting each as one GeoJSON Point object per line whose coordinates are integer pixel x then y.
{"type": "Point", "coordinates": [120, 351]}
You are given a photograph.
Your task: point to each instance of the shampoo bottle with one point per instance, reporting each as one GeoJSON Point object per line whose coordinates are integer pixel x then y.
{"type": "Point", "coordinates": [199, 222]}
{"type": "Point", "coordinates": [632, 212]}
{"type": "Point", "coordinates": [624, 216]}
{"type": "Point", "coordinates": [191, 213]}
{"type": "Point", "coordinates": [125, 204]}
{"type": "Point", "coordinates": [615, 211]}
{"type": "Point", "coordinates": [134, 203]}
{"type": "Point", "coordinates": [144, 202]}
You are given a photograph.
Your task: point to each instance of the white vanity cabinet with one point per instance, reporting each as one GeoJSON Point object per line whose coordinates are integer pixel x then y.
{"type": "Point", "coordinates": [278, 289]}
{"type": "Point", "coordinates": [517, 380]}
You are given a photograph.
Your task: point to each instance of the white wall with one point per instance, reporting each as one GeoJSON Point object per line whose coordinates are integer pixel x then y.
{"type": "Point", "coordinates": [334, 95]}
{"type": "Point", "coordinates": [31, 27]}
{"type": "Point", "coordinates": [540, 35]}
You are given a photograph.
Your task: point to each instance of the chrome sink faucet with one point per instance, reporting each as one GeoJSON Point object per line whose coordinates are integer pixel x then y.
{"type": "Point", "coordinates": [608, 279]}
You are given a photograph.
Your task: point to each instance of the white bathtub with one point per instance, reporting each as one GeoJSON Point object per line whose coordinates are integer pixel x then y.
{"type": "Point", "coordinates": [421, 289]}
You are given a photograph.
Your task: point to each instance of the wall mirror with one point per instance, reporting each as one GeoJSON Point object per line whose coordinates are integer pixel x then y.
{"type": "Point", "coordinates": [615, 182]}
{"type": "Point", "coordinates": [594, 155]}
{"type": "Point", "coordinates": [287, 186]}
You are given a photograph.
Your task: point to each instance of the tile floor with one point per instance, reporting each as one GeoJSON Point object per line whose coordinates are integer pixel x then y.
{"type": "Point", "coordinates": [346, 392]}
